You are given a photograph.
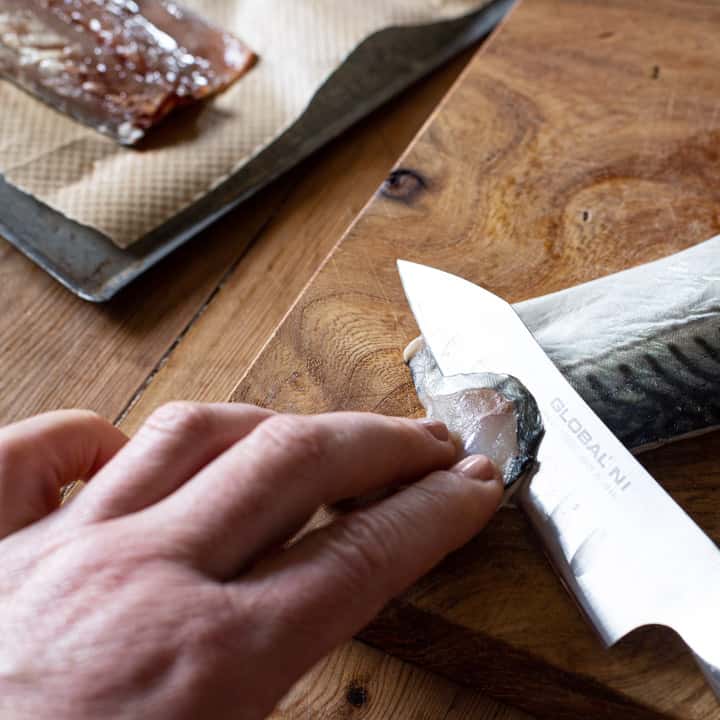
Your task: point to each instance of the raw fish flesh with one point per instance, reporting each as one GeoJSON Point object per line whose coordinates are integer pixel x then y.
{"type": "Point", "coordinates": [120, 66]}
{"type": "Point", "coordinates": [491, 414]}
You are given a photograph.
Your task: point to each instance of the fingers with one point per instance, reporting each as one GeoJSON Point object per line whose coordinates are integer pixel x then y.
{"type": "Point", "coordinates": [263, 489]}
{"type": "Point", "coordinates": [176, 441]}
{"type": "Point", "coordinates": [331, 583]}
{"type": "Point", "coordinates": [41, 454]}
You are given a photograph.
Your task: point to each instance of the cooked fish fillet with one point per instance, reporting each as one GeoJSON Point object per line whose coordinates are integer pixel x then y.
{"type": "Point", "coordinates": [120, 66]}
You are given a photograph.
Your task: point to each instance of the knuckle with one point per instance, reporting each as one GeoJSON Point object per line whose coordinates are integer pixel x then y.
{"type": "Point", "coordinates": [448, 491]}
{"type": "Point", "coordinates": [448, 497]}
{"type": "Point", "coordinates": [219, 632]}
{"type": "Point", "coordinates": [180, 418]}
{"type": "Point", "coordinates": [10, 457]}
{"type": "Point", "coordinates": [298, 437]}
{"type": "Point", "coordinates": [206, 630]}
{"type": "Point", "coordinates": [361, 547]}
{"type": "Point", "coordinates": [412, 433]}
{"type": "Point", "coordinates": [442, 489]}
{"type": "Point", "coordinates": [91, 422]}
{"type": "Point", "coordinates": [90, 417]}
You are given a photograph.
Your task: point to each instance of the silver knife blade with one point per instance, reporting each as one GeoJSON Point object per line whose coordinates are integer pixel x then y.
{"type": "Point", "coordinates": [625, 549]}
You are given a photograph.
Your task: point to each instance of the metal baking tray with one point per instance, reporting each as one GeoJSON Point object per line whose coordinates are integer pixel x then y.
{"type": "Point", "coordinates": [86, 261]}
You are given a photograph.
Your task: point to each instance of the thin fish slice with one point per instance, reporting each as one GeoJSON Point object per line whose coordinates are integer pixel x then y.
{"type": "Point", "coordinates": [487, 413]}
{"type": "Point", "coordinates": [120, 66]}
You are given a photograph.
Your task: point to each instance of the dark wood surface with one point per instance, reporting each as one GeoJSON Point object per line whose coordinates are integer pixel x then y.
{"type": "Point", "coordinates": [583, 139]}
{"type": "Point", "coordinates": [189, 330]}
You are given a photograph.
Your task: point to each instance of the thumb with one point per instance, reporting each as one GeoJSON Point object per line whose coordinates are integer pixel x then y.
{"type": "Point", "coordinates": [41, 454]}
{"type": "Point", "coordinates": [335, 579]}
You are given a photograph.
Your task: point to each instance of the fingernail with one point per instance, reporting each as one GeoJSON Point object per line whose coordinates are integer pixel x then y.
{"type": "Point", "coordinates": [437, 429]}
{"type": "Point", "coordinates": [477, 467]}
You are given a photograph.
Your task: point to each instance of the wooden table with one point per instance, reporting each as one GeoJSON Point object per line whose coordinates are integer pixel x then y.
{"type": "Point", "coordinates": [582, 140]}
{"type": "Point", "coordinates": [190, 329]}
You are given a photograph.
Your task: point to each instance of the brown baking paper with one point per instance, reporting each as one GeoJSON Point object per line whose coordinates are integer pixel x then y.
{"type": "Point", "coordinates": [125, 193]}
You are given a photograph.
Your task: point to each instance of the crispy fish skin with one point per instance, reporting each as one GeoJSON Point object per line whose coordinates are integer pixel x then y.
{"type": "Point", "coordinates": [487, 413]}
{"type": "Point", "coordinates": [120, 66]}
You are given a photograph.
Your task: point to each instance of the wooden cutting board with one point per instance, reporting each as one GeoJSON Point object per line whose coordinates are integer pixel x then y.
{"type": "Point", "coordinates": [584, 138]}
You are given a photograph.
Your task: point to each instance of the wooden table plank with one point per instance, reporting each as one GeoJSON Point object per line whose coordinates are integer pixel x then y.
{"type": "Point", "coordinates": [59, 351]}
{"type": "Point", "coordinates": [582, 140]}
{"type": "Point", "coordinates": [357, 681]}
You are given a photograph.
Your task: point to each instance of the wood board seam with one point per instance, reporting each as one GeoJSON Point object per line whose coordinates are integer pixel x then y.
{"type": "Point", "coordinates": [301, 294]}
{"type": "Point", "coordinates": [203, 307]}
{"type": "Point", "coordinates": [609, 699]}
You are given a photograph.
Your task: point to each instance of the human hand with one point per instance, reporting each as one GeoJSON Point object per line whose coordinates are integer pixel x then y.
{"type": "Point", "coordinates": [166, 588]}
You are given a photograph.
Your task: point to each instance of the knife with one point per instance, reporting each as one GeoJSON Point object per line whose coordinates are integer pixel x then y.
{"type": "Point", "coordinates": [625, 550]}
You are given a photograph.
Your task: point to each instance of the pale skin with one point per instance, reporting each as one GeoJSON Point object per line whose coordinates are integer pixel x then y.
{"type": "Point", "coordinates": [168, 588]}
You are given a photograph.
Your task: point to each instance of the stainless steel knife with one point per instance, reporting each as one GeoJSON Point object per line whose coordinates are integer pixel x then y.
{"type": "Point", "coordinates": [623, 547]}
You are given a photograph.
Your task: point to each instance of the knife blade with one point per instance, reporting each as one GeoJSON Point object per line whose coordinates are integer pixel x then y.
{"type": "Point", "coordinates": [622, 546]}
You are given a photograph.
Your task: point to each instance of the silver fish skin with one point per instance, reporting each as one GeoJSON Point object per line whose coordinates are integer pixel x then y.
{"type": "Point", "coordinates": [642, 346]}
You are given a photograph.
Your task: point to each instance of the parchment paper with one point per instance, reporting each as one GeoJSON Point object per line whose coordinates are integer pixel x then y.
{"type": "Point", "coordinates": [124, 193]}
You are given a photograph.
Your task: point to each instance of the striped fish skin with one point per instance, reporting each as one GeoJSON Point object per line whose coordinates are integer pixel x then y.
{"type": "Point", "coordinates": [642, 347]}
{"type": "Point", "coordinates": [656, 391]}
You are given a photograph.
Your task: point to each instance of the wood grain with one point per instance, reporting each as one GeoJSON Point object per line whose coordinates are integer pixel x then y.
{"type": "Point", "coordinates": [319, 203]}
{"type": "Point", "coordinates": [582, 140]}
{"type": "Point", "coordinates": [58, 351]}
{"type": "Point", "coordinates": [358, 682]}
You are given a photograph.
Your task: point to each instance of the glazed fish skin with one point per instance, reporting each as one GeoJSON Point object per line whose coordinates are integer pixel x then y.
{"type": "Point", "coordinates": [487, 413]}
{"type": "Point", "coordinates": [642, 347]}
{"type": "Point", "coordinates": [120, 66]}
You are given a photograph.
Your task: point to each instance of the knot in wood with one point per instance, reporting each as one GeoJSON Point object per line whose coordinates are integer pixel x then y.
{"type": "Point", "coordinates": [356, 695]}
{"type": "Point", "coordinates": [403, 185]}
